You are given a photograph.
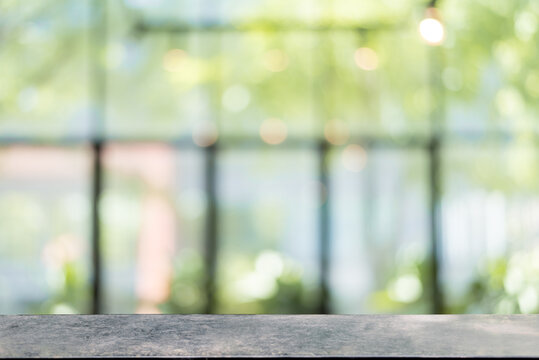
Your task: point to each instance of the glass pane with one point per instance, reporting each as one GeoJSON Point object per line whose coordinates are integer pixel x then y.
{"type": "Point", "coordinates": [267, 232]}
{"type": "Point", "coordinates": [405, 89]}
{"type": "Point", "coordinates": [44, 230]}
{"type": "Point", "coordinates": [44, 92]}
{"type": "Point", "coordinates": [153, 211]}
{"type": "Point", "coordinates": [380, 232]}
{"type": "Point", "coordinates": [490, 228]}
{"type": "Point", "coordinates": [270, 12]}
{"type": "Point", "coordinates": [178, 73]}
{"type": "Point", "coordinates": [362, 90]}
{"type": "Point", "coordinates": [267, 79]}
{"type": "Point", "coordinates": [295, 78]}
{"type": "Point", "coordinates": [491, 76]}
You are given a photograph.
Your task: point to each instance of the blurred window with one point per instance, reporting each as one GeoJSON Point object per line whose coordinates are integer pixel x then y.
{"type": "Point", "coordinates": [187, 156]}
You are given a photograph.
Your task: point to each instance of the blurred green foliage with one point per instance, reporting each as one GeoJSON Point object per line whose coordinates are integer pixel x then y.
{"type": "Point", "coordinates": [481, 84]}
{"type": "Point", "coordinates": [187, 293]}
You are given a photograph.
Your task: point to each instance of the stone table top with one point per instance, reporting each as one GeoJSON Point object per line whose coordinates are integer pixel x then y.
{"type": "Point", "coordinates": [268, 336]}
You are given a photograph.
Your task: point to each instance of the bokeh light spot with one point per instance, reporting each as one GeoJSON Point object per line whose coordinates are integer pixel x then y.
{"type": "Point", "coordinates": [276, 60]}
{"type": "Point", "coordinates": [354, 158]}
{"type": "Point", "coordinates": [273, 131]}
{"type": "Point", "coordinates": [336, 132]}
{"type": "Point", "coordinates": [528, 300]}
{"type": "Point", "coordinates": [236, 98]}
{"type": "Point", "coordinates": [254, 286]}
{"type": "Point", "coordinates": [431, 29]}
{"type": "Point", "coordinates": [173, 60]}
{"type": "Point", "coordinates": [509, 102]}
{"type": "Point", "coordinates": [366, 58]}
{"type": "Point", "coordinates": [406, 289]}
{"type": "Point", "coordinates": [525, 25]}
{"type": "Point", "coordinates": [269, 263]}
{"type": "Point", "coordinates": [205, 134]}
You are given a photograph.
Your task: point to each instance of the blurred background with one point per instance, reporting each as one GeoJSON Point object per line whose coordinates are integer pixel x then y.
{"type": "Point", "coordinates": [269, 156]}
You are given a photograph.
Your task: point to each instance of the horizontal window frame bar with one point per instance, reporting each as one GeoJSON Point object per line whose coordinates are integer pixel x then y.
{"type": "Point", "coordinates": [235, 142]}
{"type": "Point", "coordinates": [145, 26]}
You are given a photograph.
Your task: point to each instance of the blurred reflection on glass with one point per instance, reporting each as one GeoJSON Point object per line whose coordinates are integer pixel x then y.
{"type": "Point", "coordinates": [490, 212]}
{"type": "Point", "coordinates": [268, 232]}
{"type": "Point", "coordinates": [281, 74]}
{"type": "Point", "coordinates": [153, 209]}
{"type": "Point", "coordinates": [179, 72]}
{"type": "Point", "coordinates": [45, 87]}
{"type": "Point", "coordinates": [257, 68]}
{"type": "Point", "coordinates": [380, 238]}
{"type": "Point", "coordinates": [44, 229]}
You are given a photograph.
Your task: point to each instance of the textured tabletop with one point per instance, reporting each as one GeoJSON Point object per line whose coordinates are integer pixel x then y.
{"type": "Point", "coordinates": [68, 336]}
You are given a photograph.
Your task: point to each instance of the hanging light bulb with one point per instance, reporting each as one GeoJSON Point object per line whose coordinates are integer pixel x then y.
{"type": "Point", "coordinates": [431, 28]}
